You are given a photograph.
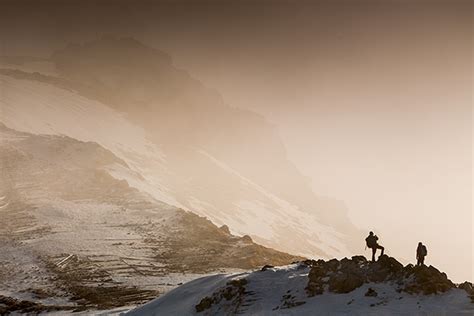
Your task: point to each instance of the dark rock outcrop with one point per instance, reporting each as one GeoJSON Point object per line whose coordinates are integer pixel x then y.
{"type": "Point", "coordinates": [247, 239]}
{"type": "Point", "coordinates": [346, 275]}
{"type": "Point", "coordinates": [266, 267]}
{"type": "Point", "coordinates": [233, 293]}
{"type": "Point", "coordinates": [225, 229]}
{"type": "Point", "coordinates": [371, 292]}
{"type": "Point", "coordinates": [426, 280]}
{"type": "Point", "coordinates": [469, 288]}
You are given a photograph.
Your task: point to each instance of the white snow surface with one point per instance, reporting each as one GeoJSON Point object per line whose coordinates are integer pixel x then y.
{"type": "Point", "coordinates": [269, 218]}
{"type": "Point", "coordinates": [247, 208]}
{"type": "Point", "coordinates": [40, 108]}
{"type": "Point", "coordinates": [265, 291]}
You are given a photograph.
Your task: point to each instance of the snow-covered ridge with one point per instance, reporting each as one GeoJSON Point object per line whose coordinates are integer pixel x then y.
{"type": "Point", "coordinates": [287, 290]}
{"type": "Point", "coordinates": [41, 108]}
{"type": "Point", "coordinates": [71, 231]}
{"type": "Point", "coordinates": [36, 107]}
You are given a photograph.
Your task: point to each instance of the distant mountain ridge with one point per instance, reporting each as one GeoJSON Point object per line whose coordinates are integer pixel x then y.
{"type": "Point", "coordinates": [221, 162]}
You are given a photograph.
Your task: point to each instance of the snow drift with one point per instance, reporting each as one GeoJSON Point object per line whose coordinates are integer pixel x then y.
{"type": "Point", "coordinates": [346, 287]}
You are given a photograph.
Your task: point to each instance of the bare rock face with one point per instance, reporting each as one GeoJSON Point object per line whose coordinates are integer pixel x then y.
{"type": "Point", "coordinates": [266, 267]}
{"type": "Point", "coordinates": [469, 288]}
{"type": "Point", "coordinates": [233, 294]}
{"type": "Point", "coordinates": [247, 239]}
{"type": "Point", "coordinates": [345, 282]}
{"type": "Point", "coordinates": [371, 292]}
{"type": "Point", "coordinates": [427, 280]}
{"type": "Point", "coordinates": [346, 275]}
{"type": "Point", "coordinates": [110, 232]}
{"type": "Point", "coordinates": [225, 229]}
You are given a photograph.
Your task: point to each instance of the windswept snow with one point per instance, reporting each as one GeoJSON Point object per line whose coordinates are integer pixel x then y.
{"type": "Point", "coordinates": [281, 291]}
{"type": "Point", "coordinates": [264, 218]}
{"type": "Point", "coordinates": [228, 198]}
{"type": "Point", "coordinates": [41, 108]}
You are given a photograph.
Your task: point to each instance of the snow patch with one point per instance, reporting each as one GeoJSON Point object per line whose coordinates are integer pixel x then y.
{"type": "Point", "coordinates": [281, 291]}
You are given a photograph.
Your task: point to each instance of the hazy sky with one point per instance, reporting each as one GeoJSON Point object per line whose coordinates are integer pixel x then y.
{"type": "Point", "coordinates": [373, 99]}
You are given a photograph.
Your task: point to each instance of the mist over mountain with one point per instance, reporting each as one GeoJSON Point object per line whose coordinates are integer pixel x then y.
{"type": "Point", "coordinates": [73, 232]}
{"type": "Point", "coordinates": [117, 171]}
{"type": "Point", "coordinates": [221, 162]}
{"type": "Point", "coordinates": [124, 177]}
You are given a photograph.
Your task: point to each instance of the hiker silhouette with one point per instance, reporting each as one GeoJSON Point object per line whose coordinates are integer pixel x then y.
{"type": "Point", "coordinates": [372, 243]}
{"type": "Point", "coordinates": [421, 253]}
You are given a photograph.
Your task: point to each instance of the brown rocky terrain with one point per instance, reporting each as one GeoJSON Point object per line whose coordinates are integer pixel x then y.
{"type": "Point", "coordinates": [346, 275]}
{"type": "Point", "coordinates": [72, 231]}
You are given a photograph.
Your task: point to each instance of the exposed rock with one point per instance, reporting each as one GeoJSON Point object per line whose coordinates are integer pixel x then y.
{"type": "Point", "coordinates": [346, 275]}
{"type": "Point", "coordinates": [345, 282]}
{"type": "Point", "coordinates": [308, 262]}
{"type": "Point", "coordinates": [383, 269]}
{"type": "Point", "coordinates": [225, 229]}
{"type": "Point", "coordinates": [289, 301]}
{"type": "Point", "coordinates": [359, 259]}
{"type": "Point", "coordinates": [233, 293]}
{"type": "Point", "coordinates": [204, 304]}
{"type": "Point", "coordinates": [266, 267]}
{"type": "Point", "coordinates": [247, 239]}
{"type": "Point", "coordinates": [469, 288]}
{"type": "Point", "coordinates": [332, 264]}
{"type": "Point", "coordinates": [427, 280]}
{"type": "Point", "coordinates": [390, 264]}
{"type": "Point", "coordinates": [371, 292]}
{"type": "Point", "coordinates": [9, 305]}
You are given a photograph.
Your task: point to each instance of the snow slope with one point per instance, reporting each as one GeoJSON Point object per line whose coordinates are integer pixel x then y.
{"type": "Point", "coordinates": [281, 291]}
{"type": "Point", "coordinates": [71, 230]}
{"type": "Point", "coordinates": [227, 197]}
{"type": "Point", "coordinates": [40, 108]}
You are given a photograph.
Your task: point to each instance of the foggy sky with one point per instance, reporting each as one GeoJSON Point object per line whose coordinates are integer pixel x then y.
{"type": "Point", "coordinates": [373, 99]}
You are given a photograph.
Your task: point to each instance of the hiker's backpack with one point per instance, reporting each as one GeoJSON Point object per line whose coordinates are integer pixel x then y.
{"type": "Point", "coordinates": [370, 241]}
{"type": "Point", "coordinates": [424, 251]}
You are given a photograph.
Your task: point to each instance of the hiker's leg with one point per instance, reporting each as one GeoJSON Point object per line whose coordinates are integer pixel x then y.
{"type": "Point", "coordinates": [382, 248]}
{"type": "Point", "coordinates": [374, 249]}
{"type": "Point", "coordinates": [422, 261]}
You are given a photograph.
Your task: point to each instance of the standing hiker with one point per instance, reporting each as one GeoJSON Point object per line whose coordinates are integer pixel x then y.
{"type": "Point", "coordinates": [372, 243]}
{"type": "Point", "coordinates": [421, 253]}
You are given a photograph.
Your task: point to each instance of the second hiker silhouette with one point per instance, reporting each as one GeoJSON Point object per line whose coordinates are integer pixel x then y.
{"type": "Point", "coordinates": [372, 243]}
{"type": "Point", "coordinates": [421, 253]}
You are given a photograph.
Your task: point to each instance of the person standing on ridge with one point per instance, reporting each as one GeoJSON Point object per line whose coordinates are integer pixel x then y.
{"type": "Point", "coordinates": [372, 243]}
{"type": "Point", "coordinates": [421, 253]}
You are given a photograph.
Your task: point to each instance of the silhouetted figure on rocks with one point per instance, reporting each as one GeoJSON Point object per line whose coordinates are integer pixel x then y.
{"type": "Point", "coordinates": [421, 253]}
{"type": "Point", "coordinates": [372, 243]}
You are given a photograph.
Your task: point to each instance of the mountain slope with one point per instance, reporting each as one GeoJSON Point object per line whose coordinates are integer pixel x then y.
{"type": "Point", "coordinates": [199, 154]}
{"type": "Point", "coordinates": [385, 288]}
{"type": "Point", "coordinates": [68, 226]}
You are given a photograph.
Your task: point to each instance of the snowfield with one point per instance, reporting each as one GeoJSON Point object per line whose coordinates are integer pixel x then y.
{"type": "Point", "coordinates": [73, 234]}
{"type": "Point", "coordinates": [228, 198]}
{"type": "Point", "coordinates": [41, 108]}
{"type": "Point", "coordinates": [281, 291]}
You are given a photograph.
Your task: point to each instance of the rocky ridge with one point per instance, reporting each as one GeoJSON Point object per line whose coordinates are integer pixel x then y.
{"type": "Point", "coordinates": [346, 275]}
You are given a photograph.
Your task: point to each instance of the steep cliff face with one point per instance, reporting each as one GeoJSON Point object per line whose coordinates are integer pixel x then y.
{"type": "Point", "coordinates": [181, 112]}
{"type": "Point", "coordinates": [184, 144]}
{"type": "Point", "coordinates": [69, 228]}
